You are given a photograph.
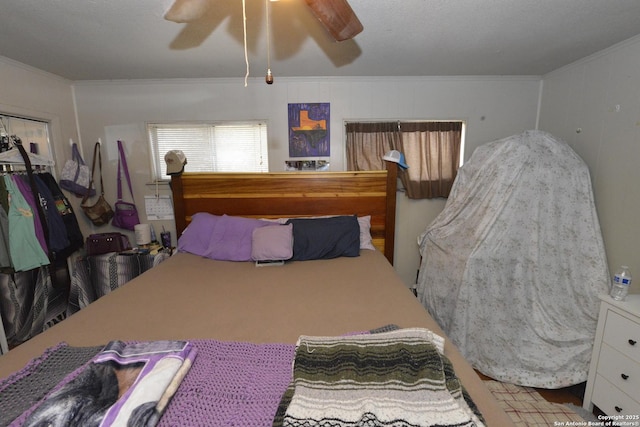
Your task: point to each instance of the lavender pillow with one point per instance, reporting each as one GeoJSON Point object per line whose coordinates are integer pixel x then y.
{"type": "Point", "coordinates": [231, 238]}
{"type": "Point", "coordinates": [272, 243]}
{"type": "Point", "coordinates": [195, 238]}
{"type": "Point", "coordinates": [366, 242]}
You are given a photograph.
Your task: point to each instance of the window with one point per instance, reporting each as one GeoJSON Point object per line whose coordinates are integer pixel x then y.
{"type": "Point", "coordinates": [211, 147]}
{"type": "Point", "coordinates": [432, 150]}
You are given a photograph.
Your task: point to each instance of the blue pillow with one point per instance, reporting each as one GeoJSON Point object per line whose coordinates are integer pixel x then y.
{"type": "Point", "coordinates": [325, 238]}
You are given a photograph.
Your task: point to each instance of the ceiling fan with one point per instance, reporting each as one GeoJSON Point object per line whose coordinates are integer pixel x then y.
{"type": "Point", "coordinates": [335, 15]}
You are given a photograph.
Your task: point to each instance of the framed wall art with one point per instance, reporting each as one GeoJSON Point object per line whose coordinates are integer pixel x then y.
{"type": "Point", "coordinates": [309, 130]}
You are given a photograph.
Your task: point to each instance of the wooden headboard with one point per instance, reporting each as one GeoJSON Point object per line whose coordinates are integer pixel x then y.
{"type": "Point", "coordinates": [292, 194]}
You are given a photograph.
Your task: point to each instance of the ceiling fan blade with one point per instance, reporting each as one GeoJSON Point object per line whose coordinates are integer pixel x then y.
{"type": "Point", "coordinates": [187, 10]}
{"type": "Point", "coordinates": [337, 17]}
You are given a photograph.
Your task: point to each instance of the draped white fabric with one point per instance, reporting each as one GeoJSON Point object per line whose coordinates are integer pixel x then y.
{"type": "Point", "coordinates": [514, 264]}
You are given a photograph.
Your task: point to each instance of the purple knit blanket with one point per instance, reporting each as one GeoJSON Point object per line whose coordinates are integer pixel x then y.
{"type": "Point", "coordinates": [229, 384]}
{"type": "Point", "coordinates": [232, 384]}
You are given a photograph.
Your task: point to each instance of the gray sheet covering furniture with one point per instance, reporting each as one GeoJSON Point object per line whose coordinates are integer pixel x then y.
{"type": "Point", "coordinates": [513, 265]}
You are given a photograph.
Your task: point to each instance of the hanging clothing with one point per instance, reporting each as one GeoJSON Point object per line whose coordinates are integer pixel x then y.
{"type": "Point", "coordinates": [64, 208]}
{"type": "Point", "coordinates": [58, 239]}
{"type": "Point", "coordinates": [64, 235]}
{"type": "Point", "coordinates": [40, 231]}
{"type": "Point", "coordinates": [4, 199]}
{"type": "Point", "coordinates": [25, 189]}
{"type": "Point", "coordinates": [24, 302]}
{"type": "Point", "coordinates": [5, 259]}
{"type": "Point", "coordinates": [24, 247]}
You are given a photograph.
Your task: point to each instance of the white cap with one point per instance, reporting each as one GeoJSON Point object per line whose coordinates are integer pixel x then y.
{"type": "Point", "coordinates": [396, 157]}
{"type": "Point", "coordinates": [175, 160]}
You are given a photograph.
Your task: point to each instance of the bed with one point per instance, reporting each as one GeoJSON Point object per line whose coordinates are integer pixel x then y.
{"type": "Point", "coordinates": [204, 301]}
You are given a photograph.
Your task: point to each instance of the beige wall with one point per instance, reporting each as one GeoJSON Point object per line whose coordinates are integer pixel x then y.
{"type": "Point", "coordinates": [493, 107]}
{"type": "Point", "coordinates": [32, 93]}
{"type": "Point", "coordinates": [594, 105]}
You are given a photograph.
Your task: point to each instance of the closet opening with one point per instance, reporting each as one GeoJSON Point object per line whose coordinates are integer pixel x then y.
{"type": "Point", "coordinates": [38, 233]}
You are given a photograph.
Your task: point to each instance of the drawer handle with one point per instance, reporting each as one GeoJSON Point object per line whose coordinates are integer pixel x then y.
{"type": "Point", "coordinates": [633, 342]}
{"type": "Point", "coordinates": [624, 376]}
{"type": "Point", "coordinates": [618, 409]}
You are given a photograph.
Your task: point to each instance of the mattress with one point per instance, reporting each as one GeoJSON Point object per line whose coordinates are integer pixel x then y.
{"type": "Point", "coordinates": [188, 297]}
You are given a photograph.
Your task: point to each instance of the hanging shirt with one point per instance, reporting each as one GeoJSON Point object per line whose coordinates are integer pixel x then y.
{"type": "Point", "coordinates": [64, 208]}
{"type": "Point", "coordinates": [58, 239]}
{"type": "Point", "coordinates": [22, 183]}
{"type": "Point", "coordinates": [4, 201]}
{"type": "Point", "coordinates": [5, 259]}
{"type": "Point", "coordinates": [24, 248]}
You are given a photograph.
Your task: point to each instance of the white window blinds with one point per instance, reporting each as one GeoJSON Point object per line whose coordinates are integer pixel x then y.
{"type": "Point", "coordinates": [212, 147]}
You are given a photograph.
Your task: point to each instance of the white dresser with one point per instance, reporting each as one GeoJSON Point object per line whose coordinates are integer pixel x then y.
{"type": "Point", "coordinates": [614, 374]}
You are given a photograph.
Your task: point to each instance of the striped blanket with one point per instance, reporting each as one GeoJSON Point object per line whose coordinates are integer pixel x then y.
{"type": "Point", "coordinates": [396, 378]}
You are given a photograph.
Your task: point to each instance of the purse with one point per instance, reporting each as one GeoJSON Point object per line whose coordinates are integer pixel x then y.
{"type": "Point", "coordinates": [126, 214]}
{"type": "Point", "coordinates": [100, 213]}
{"type": "Point", "coordinates": [102, 243]}
{"type": "Point", "coordinates": [76, 176]}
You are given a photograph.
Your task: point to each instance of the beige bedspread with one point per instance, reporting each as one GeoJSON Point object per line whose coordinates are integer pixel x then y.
{"type": "Point", "coordinates": [188, 297]}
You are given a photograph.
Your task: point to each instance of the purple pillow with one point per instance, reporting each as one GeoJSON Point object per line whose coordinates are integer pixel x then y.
{"type": "Point", "coordinates": [272, 243]}
{"type": "Point", "coordinates": [195, 238]}
{"type": "Point", "coordinates": [231, 238]}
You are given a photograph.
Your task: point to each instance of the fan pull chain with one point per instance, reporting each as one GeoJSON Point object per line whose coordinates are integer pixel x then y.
{"type": "Point", "coordinates": [246, 55]}
{"type": "Point", "coordinates": [269, 77]}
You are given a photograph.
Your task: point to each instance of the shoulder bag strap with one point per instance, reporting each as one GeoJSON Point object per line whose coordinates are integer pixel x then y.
{"type": "Point", "coordinates": [75, 155]}
{"type": "Point", "coordinates": [34, 188]}
{"type": "Point", "coordinates": [123, 159]}
{"type": "Point", "coordinates": [96, 154]}
{"type": "Point", "coordinates": [98, 149]}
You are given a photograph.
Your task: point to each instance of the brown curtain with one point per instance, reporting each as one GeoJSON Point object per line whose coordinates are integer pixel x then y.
{"type": "Point", "coordinates": [367, 142]}
{"type": "Point", "coordinates": [431, 150]}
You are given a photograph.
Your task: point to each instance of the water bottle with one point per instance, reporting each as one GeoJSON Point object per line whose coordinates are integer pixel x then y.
{"type": "Point", "coordinates": [621, 283]}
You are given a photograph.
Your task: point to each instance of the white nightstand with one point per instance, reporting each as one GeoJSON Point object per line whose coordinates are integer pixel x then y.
{"type": "Point", "coordinates": [614, 374]}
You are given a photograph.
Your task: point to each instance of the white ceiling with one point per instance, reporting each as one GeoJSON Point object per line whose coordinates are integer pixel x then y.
{"type": "Point", "coordinates": [129, 39]}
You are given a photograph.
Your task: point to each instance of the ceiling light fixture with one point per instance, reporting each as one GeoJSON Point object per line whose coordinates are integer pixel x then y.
{"type": "Point", "coordinates": [336, 16]}
{"type": "Point", "coordinates": [269, 77]}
